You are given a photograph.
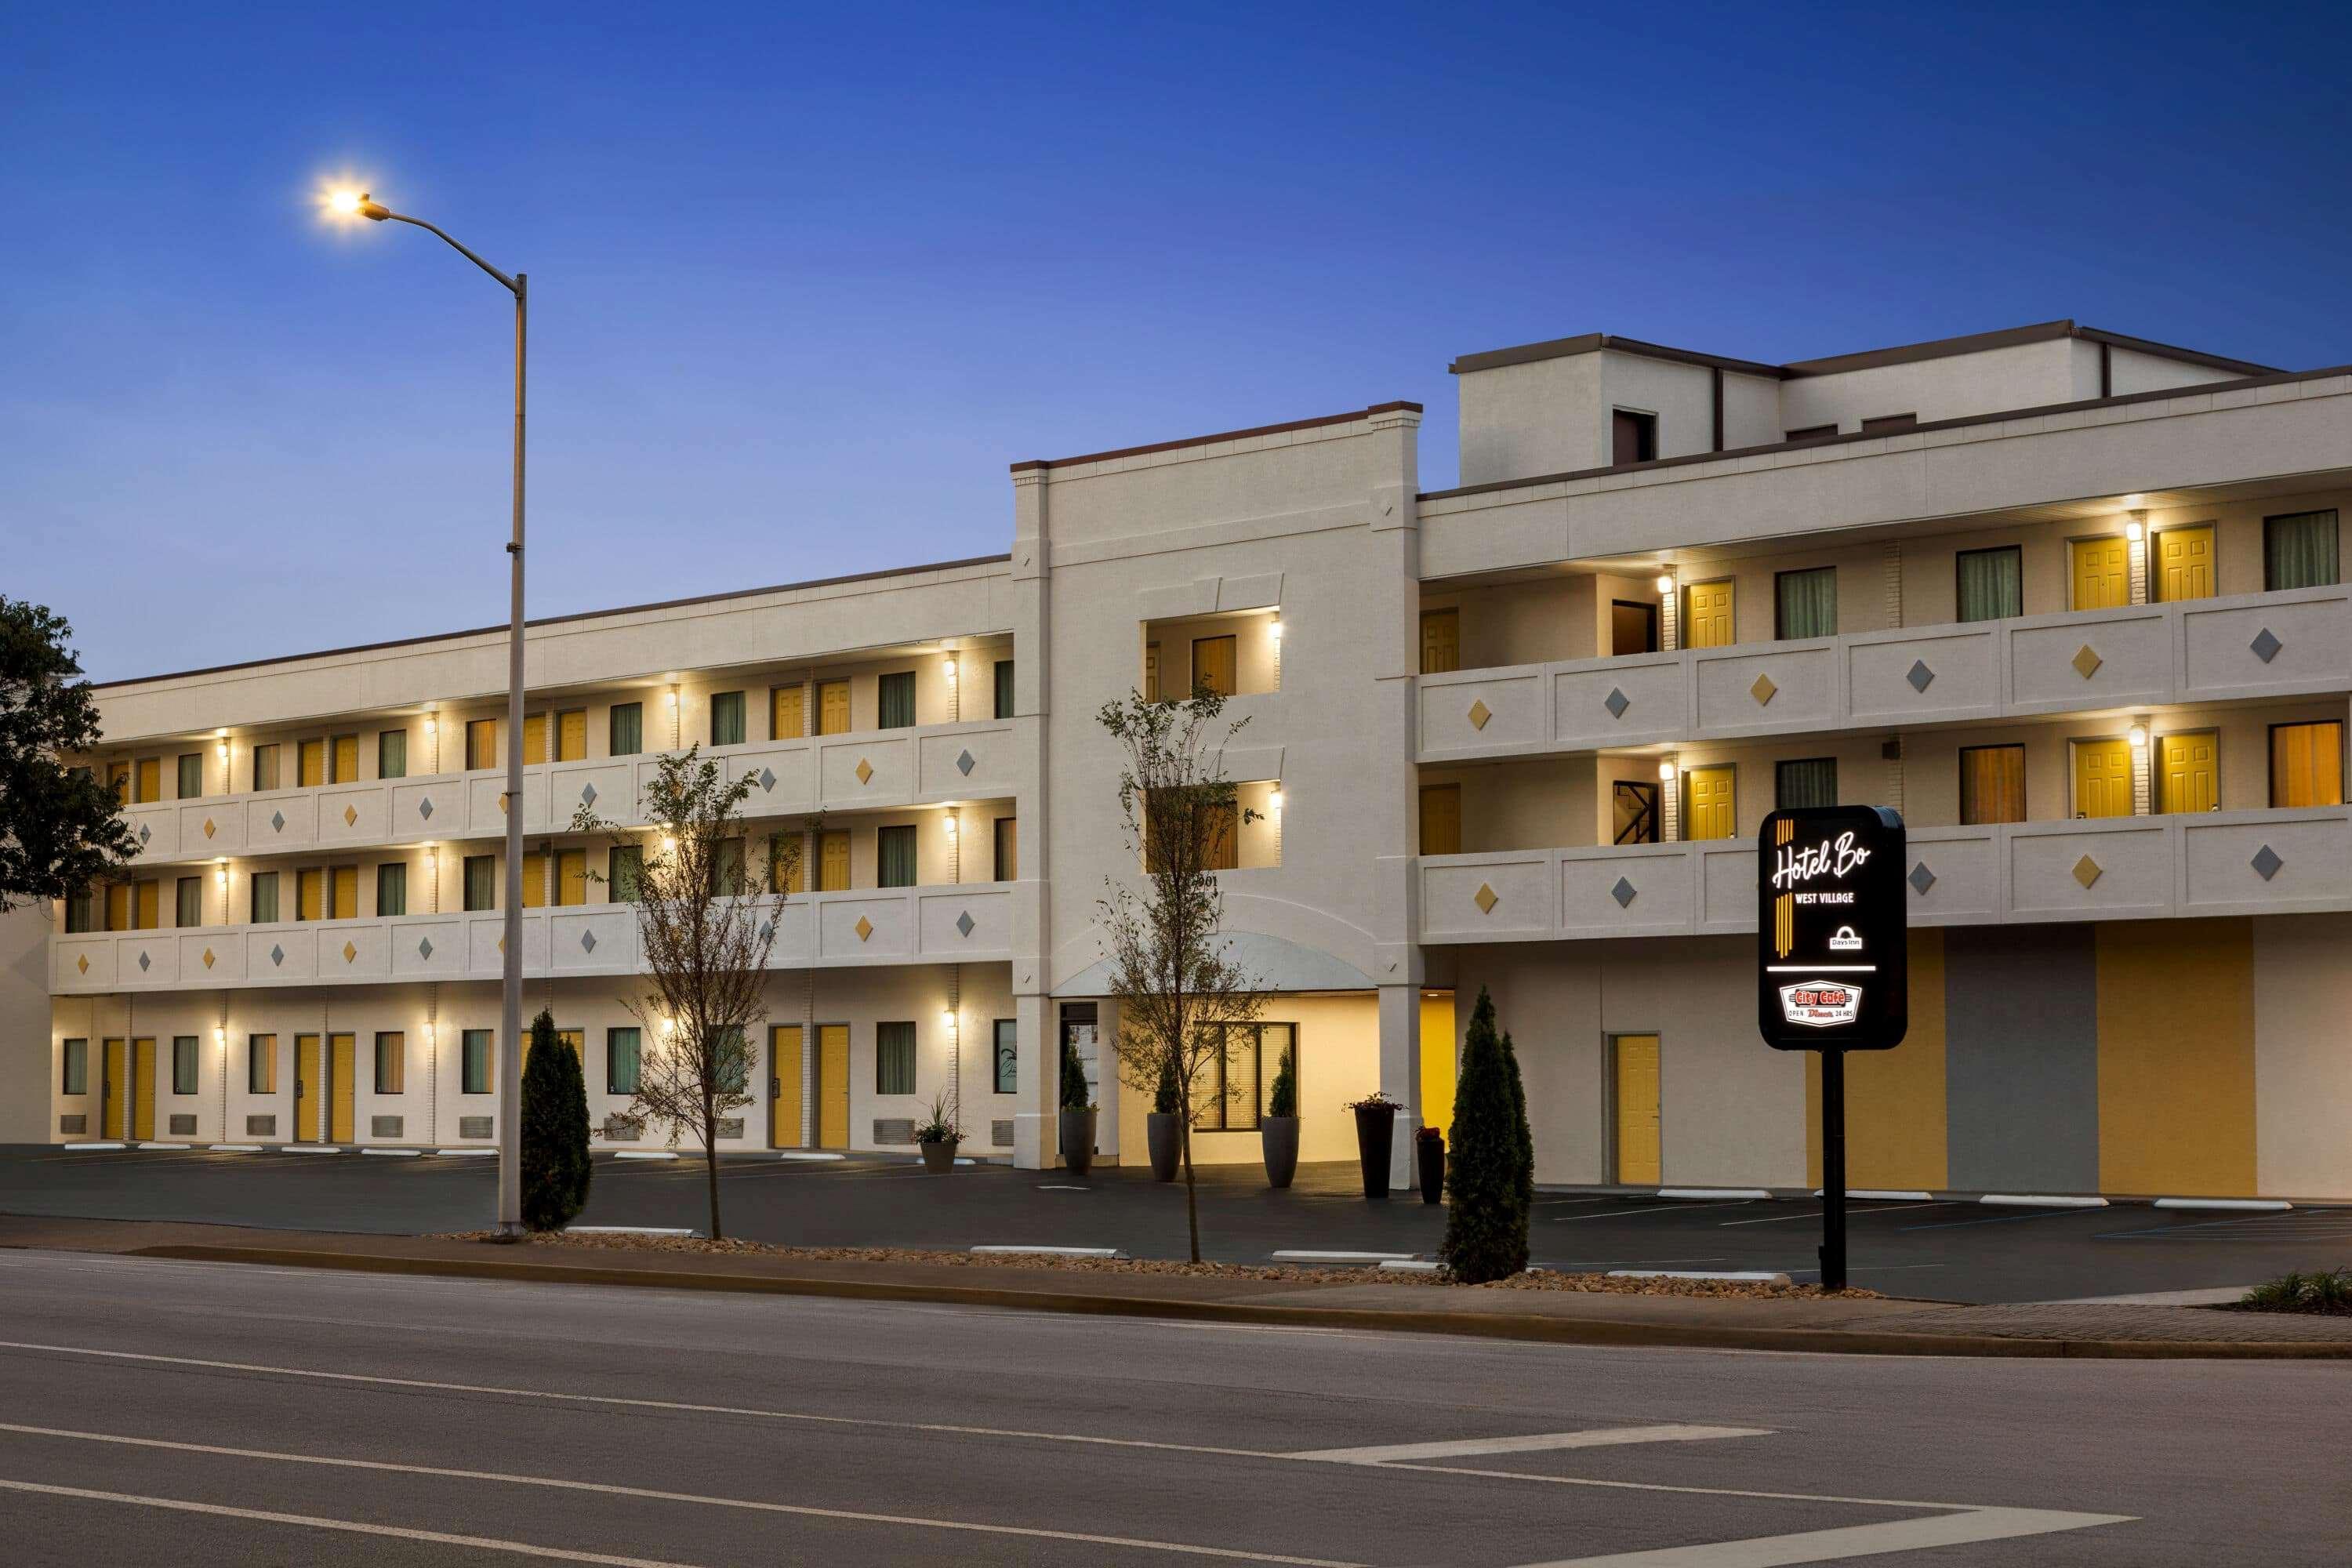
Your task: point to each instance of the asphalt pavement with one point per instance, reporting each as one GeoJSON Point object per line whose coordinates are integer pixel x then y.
{"type": "Point", "coordinates": [207, 1414]}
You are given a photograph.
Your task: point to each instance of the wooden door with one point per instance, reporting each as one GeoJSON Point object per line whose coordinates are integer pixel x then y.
{"type": "Point", "coordinates": [1215, 665]}
{"type": "Point", "coordinates": [306, 1089]}
{"type": "Point", "coordinates": [2184, 564]}
{"type": "Point", "coordinates": [571, 876]}
{"type": "Point", "coordinates": [833, 1086]}
{"type": "Point", "coordinates": [572, 736]}
{"type": "Point", "coordinates": [143, 1088]}
{"type": "Point", "coordinates": [346, 888]}
{"type": "Point", "coordinates": [151, 905]}
{"type": "Point", "coordinates": [1707, 620]}
{"type": "Point", "coordinates": [118, 907]}
{"type": "Point", "coordinates": [535, 881]}
{"type": "Point", "coordinates": [345, 764]}
{"type": "Point", "coordinates": [310, 763]}
{"type": "Point", "coordinates": [1440, 819]}
{"type": "Point", "coordinates": [784, 1069]}
{"type": "Point", "coordinates": [787, 712]}
{"type": "Point", "coordinates": [832, 708]}
{"type": "Point", "coordinates": [534, 740]}
{"type": "Point", "coordinates": [2188, 773]}
{"type": "Point", "coordinates": [1441, 641]}
{"type": "Point", "coordinates": [151, 778]}
{"type": "Point", "coordinates": [1710, 806]}
{"type": "Point", "coordinates": [2101, 573]}
{"type": "Point", "coordinates": [310, 894]}
{"type": "Point", "coordinates": [832, 861]}
{"type": "Point", "coordinates": [2102, 778]}
{"type": "Point", "coordinates": [113, 1085]}
{"type": "Point", "coordinates": [343, 1055]}
{"type": "Point", "coordinates": [1638, 1161]}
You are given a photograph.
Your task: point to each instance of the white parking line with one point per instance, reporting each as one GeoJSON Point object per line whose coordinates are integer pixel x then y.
{"type": "Point", "coordinates": [443, 1472]}
{"type": "Point", "coordinates": [1654, 1208]}
{"type": "Point", "coordinates": [1851, 1540]}
{"type": "Point", "coordinates": [1816, 1213]}
{"type": "Point", "coordinates": [1537, 1443]}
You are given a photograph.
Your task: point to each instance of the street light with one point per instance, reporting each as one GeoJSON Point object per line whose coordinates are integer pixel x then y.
{"type": "Point", "coordinates": [359, 204]}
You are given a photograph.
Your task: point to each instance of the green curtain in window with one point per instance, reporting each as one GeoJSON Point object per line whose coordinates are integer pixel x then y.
{"type": "Point", "coordinates": [2299, 550]}
{"type": "Point", "coordinates": [620, 1049]}
{"type": "Point", "coordinates": [896, 698]}
{"type": "Point", "coordinates": [894, 856]}
{"type": "Point", "coordinates": [392, 888]}
{"type": "Point", "coordinates": [1808, 603]}
{"type": "Point", "coordinates": [727, 718]}
{"type": "Point", "coordinates": [894, 1058]}
{"type": "Point", "coordinates": [1991, 584]}
{"type": "Point", "coordinates": [1004, 688]}
{"type": "Point", "coordinates": [1809, 782]}
{"type": "Point", "coordinates": [626, 728]}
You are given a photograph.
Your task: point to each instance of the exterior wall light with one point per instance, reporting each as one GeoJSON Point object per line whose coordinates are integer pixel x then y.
{"type": "Point", "coordinates": [1665, 583]}
{"type": "Point", "coordinates": [669, 845]}
{"type": "Point", "coordinates": [951, 825]}
{"type": "Point", "coordinates": [669, 1025]}
{"type": "Point", "coordinates": [2137, 734]}
{"type": "Point", "coordinates": [2133, 530]}
{"type": "Point", "coordinates": [1275, 800]}
{"type": "Point", "coordinates": [1666, 771]}
{"type": "Point", "coordinates": [949, 669]}
{"type": "Point", "coordinates": [220, 1036]}
{"type": "Point", "coordinates": [1274, 630]}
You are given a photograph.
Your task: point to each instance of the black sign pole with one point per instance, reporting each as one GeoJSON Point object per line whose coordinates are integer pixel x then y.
{"type": "Point", "coordinates": [1833, 1168]}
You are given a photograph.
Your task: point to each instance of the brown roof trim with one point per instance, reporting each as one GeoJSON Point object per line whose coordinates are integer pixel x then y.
{"type": "Point", "coordinates": [1935, 348]}
{"type": "Point", "coordinates": [1224, 436]}
{"type": "Point", "coordinates": [2168, 351]}
{"type": "Point", "coordinates": [1592, 342]}
{"type": "Point", "coordinates": [2280, 378]}
{"type": "Point", "coordinates": [559, 620]}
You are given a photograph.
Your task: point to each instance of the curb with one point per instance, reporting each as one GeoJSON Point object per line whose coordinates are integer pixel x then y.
{"type": "Point", "coordinates": [1544, 1330]}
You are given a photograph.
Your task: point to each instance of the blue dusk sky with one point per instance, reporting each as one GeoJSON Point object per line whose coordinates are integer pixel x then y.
{"type": "Point", "coordinates": [805, 280]}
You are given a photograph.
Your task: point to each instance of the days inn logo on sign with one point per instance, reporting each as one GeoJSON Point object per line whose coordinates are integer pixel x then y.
{"type": "Point", "coordinates": [1821, 1003]}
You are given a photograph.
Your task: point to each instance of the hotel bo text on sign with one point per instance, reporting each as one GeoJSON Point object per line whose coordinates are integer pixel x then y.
{"type": "Point", "coordinates": [1829, 929]}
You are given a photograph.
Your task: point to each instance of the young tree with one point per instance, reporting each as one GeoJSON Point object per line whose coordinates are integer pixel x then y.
{"type": "Point", "coordinates": [1172, 968]}
{"type": "Point", "coordinates": [704, 933]}
{"type": "Point", "coordinates": [555, 1168]}
{"type": "Point", "coordinates": [61, 828]}
{"type": "Point", "coordinates": [1488, 1167]}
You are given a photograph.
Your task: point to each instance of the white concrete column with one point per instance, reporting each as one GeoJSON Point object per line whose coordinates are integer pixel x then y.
{"type": "Point", "coordinates": [1400, 1008]}
{"type": "Point", "coordinates": [2136, 549]}
{"type": "Point", "coordinates": [1670, 630]}
{"type": "Point", "coordinates": [2143, 767]}
{"type": "Point", "coordinates": [1036, 1140]}
{"type": "Point", "coordinates": [1670, 800]}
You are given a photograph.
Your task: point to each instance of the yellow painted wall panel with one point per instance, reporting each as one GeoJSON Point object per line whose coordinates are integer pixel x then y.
{"type": "Point", "coordinates": [1895, 1127]}
{"type": "Point", "coordinates": [2176, 1057]}
{"type": "Point", "coordinates": [1437, 1064]}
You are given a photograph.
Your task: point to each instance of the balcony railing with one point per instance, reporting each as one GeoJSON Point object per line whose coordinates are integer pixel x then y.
{"type": "Point", "coordinates": [2250, 645]}
{"type": "Point", "coordinates": [946, 924]}
{"type": "Point", "coordinates": [873, 769]}
{"type": "Point", "coordinates": [2129, 867]}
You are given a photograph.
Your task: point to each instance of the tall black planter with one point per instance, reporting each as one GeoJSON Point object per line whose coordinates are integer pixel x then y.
{"type": "Point", "coordinates": [1165, 1137]}
{"type": "Point", "coordinates": [1078, 1140]}
{"type": "Point", "coordinates": [1429, 1154]}
{"type": "Point", "coordinates": [1375, 1127]}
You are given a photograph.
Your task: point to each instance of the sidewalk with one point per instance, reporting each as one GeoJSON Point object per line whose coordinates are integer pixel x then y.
{"type": "Point", "coordinates": [1853, 1327]}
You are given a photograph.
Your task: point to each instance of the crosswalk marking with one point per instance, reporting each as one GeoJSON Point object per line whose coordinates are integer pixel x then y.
{"type": "Point", "coordinates": [1536, 1443]}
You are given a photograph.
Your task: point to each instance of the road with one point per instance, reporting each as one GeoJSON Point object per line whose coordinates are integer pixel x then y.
{"type": "Point", "coordinates": [204, 1414]}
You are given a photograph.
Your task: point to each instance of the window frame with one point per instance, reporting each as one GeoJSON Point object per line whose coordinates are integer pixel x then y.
{"type": "Point", "coordinates": [1780, 774]}
{"type": "Point", "coordinates": [392, 754]}
{"type": "Point", "coordinates": [1644, 422]}
{"type": "Point", "coordinates": [465, 884]}
{"type": "Point", "coordinates": [1959, 556]}
{"type": "Point", "coordinates": [1780, 632]}
{"type": "Point", "coordinates": [391, 876]}
{"type": "Point", "coordinates": [1264, 1081]}
{"type": "Point", "coordinates": [893, 834]}
{"type": "Point", "coordinates": [266, 751]}
{"type": "Point", "coordinates": [184, 1045]}
{"type": "Point", "coordinates": [481, 736]}
{"type": "Point", "coordinates": [889, 687]}
{"type": "Point", "coordinates": [999, 829]}
{"type": "Point", "coordinates": [1004, 1055]}
{"type": "Point", "coordinates": [475, 1058]}
{"type": "Point", "coordinates": [261, 1064]}
{"type": "Point", "coordinates": [912, 1043]}
{"type": "Point", "coordinates": [396, 1056]}
{"type": "Point", "coordinates": [2269, 758]}
{"type": "Point", "coordinates": [73, 1065]}
{"type": "Point", "coordinates": [2270, 587]}
{"type": "Point", "coordinates": [1006, 689]}
{"type": "Point", "coordinates": [733, 704]}
{"type": "Point", "coordinates": [1962, 792]}
{"type": "Point", "coordinates": [255, 883]}
{"type": "Point", "coordinates": [180, 785]}
{"type": "Point", "coordinates": [634, 744]}
{"type": "Point", "coordinates": [180, 901]}
{"type": "Point", "coordinates": [612, 1084]}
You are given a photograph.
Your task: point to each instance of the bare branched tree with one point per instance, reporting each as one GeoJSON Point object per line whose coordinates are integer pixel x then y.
{"type": "Point", "coordinates": [706, 927]}
{"type": "Point", "coordinates": [1178, 985]}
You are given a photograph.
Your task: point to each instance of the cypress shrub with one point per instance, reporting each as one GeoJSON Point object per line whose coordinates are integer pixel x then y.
{"type": "Point", "coordinates": [1526, 1186]}
{"type": "Point", "coordinates": [1165, 1098]}
{"type": "Point", "coordinates": [1282, 1100]}
{"type": "Point", "coordinates": [1488, 1172]}
{"type": "Point", "coordinates": [555, 1168]}
{"type": "Point", "coordinates": [1073, 1079]}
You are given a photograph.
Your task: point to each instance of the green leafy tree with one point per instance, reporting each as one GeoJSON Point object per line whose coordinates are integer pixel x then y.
{"type": "Point", "coordinates": [555, 1168]}
{"type": "Point", "coordinates": [60, 827]}
{"type": "Point", "coordinates": [1489, 1167]}
{"type": "Point", "coordinates": [1167, 1100]}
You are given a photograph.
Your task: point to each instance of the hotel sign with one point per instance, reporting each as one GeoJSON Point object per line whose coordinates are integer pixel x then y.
{"type": "Point", "coordinates": [1829, 929]}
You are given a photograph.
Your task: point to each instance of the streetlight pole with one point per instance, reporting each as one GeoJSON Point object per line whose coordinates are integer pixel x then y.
{"type": "Point", "coordinates": [509, 1047]}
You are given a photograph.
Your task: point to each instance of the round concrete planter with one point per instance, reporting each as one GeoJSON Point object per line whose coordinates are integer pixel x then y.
{"type": "Point", "coordinates": [939, 1158]}
{"type": "Point", "coordinates": [1278, 1135]}
{"type": "Point", "coordinates": [1375, 1125]}
{"type": "Point", "coordinates": [1166, 1135]}
{"type": "Point", "coordinates": [1078, 1140]}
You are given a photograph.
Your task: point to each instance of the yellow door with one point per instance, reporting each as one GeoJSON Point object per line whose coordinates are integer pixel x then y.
{"type": "Point", "coordinates": [345, 762]}
{"type": "Point", "coordinates": [787, 713]}
{"type": "Point", "coordinates": [343, 1054]}
{"type": "Point", "coordinates": [571, 876]}
{"type": "Point", "coordinates": [118, 907]}
{"type": "Point", "coordinates": [310, 894]}
{"type": "Point", "coordinates": [534, 740]}
{"type": "Point", "coordinates": [1437, 1068]}
{"type": "Point", "coordinates": [2101, 573]}
{"type": "Point", "coordinates": [2184, 563]}
{"type": "Point", "coordinates": [481, 744]}
{"type": "Point", "coordinates": [1637, 1110]}
{"type": "Point", "coordinates": [2102, 778]}
{"type": "Point", "coordinates": [310, 763]}
{"type": "Point", "coordinates": [151, 778]}
{"type": "Point", "coordinates": [346, 884]}
{"type": "Point", "coordinates": [114, 1072]}
{"type": "Point", "coordinates": [151, 905]}
{"type": "Point", "coordinates": [832, 861]}
{"type": "Point", "coordinates": [572, 736]}
{"type": "Point", "coordinates": [1440, 819]}
{"type": "Point", "coordinates": [143, 1088]}
{"type": "Point", "coordinates": [535, 881]}
{"type": "Point", "coordinates": [1216, 663]}
{"type": "Point", "coordinates": [784, 1086]}
{"type": "Point", "coordinates": [2307, 764]}
{"type": "Point", "coordinates": [1707, 618]}
{"type": "Point", "coordinates": [833, 1086]}
{"type": "Point", "coordinates": [1441, 641]}
{"type": "Point", "coordinates": [1710, 807]}
{"type": "Point", "coordinates": [306, 1089]}
{"type": "Point", "coordinates": [2190, 777]}
{"type": "Point", "coordinates": [1152, 672]}
{"type": "Point", "coordinates": [832, 708]}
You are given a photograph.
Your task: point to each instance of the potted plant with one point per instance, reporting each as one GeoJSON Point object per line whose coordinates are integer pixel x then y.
{"type": "Point", "coordinates": [1164, 1127]}
{"type": "Point", "coordinates": [1077, 1114]}
{"type": "Point", "coordinates": [937, 1138]}
{"type": "Point", "coordinates": [1429, 1159]}
{"type": "Point", "coordinates": [1375, 1127]}
{"type": "Point", "coordinates": [1277, 1129]}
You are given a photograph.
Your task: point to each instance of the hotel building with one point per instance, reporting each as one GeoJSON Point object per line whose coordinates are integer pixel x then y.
{"type": "Point", "coordinates": [2070, 600]}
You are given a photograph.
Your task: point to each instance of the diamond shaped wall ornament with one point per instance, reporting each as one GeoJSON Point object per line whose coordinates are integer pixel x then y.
{"type": "Point", "coordinates": [277, 955]}
{"type": "Point", "coordinates": [965, 762]}
{"type": "Point", "coordinates": [864, 770]}
{"type": "Point", "coordinates": [2266, 647]}
{"type": "Point", "coordinates": [424, 809]}
{"type": "Point", "coordinates": [1479, 714]}
{"type": "Point", "coordinates": [2086, 662]}
{"type": "Point", "coordinates": [502, 803]}
{"type": "Point", "coordinates": [1762, 690]}
{"type": "Point", "coordinates": [863, 927]}
{"type": "Point", "coordinates": [82, 963]}
{"type": "Point", "coordinates": [503, 944]}
{"type": "Point", "coordinates": [1922, 879]}
{"type": "Point", "coordinates": [2087, 871]}
{"type": "Point", "coordinates": [1616, 702]}
{"type": "Point", "coordinates": [964, 923]}
{"type": "Point", "coordinates": [350, 816]}
{"type": "Point", "coordinates": [145, 833]}
{"type": "Point", "coordinates": [587, 794]}
{"type": "Point", "coordinates": [144, 961]}
{"type": "Point", "coordinates": [350, 952]}
{"type": "Point", "coordinates": [587, 942]}
{"type": "Point", "coordinates": [425, 947]}
{"type": "Point", "coordinates": [210, 827]}
{"type": "Point", "coordinates": [1623, 893]}
{"type": "Point", "coordinates": [277, 822]}
{"type": "Point", "coordinates": [2266, 862]}
{"type": "Point", "coordinates": [767, 781]}
{"type": "Point", "coordinates": [1486, 898]}
{"type": "Point", "coordinates": [208, 958]}
{"type": "Point", "coordinates": [1920, 676]}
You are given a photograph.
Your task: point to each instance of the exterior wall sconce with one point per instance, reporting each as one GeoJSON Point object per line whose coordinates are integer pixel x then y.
{"type": "Point", "coordinates": [1274, 630]}
{"type": "Point", "coordinates": [2137, 734]}
{"type": "Point", "coordinates": [1666, 771]}
{"type": "Point", "coordinates": [1665, 583]}
{"type": "Point", "coordinates": [2134, 531]}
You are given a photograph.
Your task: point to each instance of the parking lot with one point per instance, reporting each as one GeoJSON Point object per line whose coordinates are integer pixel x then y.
{"type": "Point", "coordinates": [1951, 1249]}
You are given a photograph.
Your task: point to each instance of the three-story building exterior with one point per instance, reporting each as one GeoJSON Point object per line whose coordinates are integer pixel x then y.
{"type": "Point", "coordinates": [2068, 600]}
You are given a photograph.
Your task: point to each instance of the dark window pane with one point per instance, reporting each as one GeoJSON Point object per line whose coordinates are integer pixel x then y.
{"type": "Point", "coordinates": [265, 897]}
{"type": "Point", "coordinates": [1004, 688]}
{"type": "Point", "coordinates": [726, 718]}
{"type": "Point", "coordinates": [2299, 550]}
{"type": "Point", "coordinates": [392, 888]}
{"type": "Point", "coordinates": [183, 1064]}
{"type": "Point", "coordinates": [626, 731]}
{"type": "Point", "coordinates": [192, 775]}
{"type": "Point", "coordinates": [895, 697]}
{"type": "Point", "coordinates": [894, 1058]}
{"type": "Point", "coordinates": [1811, 781]}
{"type": "Point", "coordinates": [191, 910]}
{"type": "Point", "coordinates": [77, 1067]}
{"type": "Point", "coordinates": [392, 754]}
{"type": "Point", "coordinates": [481, 882]}
{"type": "Point", "coordinates": [1008, 1056]}
{"type": "Point", "coordinates": [1805, 603]}
{"type": "Point", "coordinates": [475, 1061]}
{"type": "Point", "coordinates": [626, 873]}
{"type": "Point", "coordinates": [1633, 437]}
{"type": "Point", "coordinates": [621, 1053]}
{"type": "Point", "coordinates": [1633, 627]}
{"type": "Point", "coordinates": [1991, 584]}
{"type": "Point", "coordinates": [894, 856]}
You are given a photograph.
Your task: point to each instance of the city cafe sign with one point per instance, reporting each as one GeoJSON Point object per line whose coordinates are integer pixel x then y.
{"type": "Point", "coordinates": [1830, 944]}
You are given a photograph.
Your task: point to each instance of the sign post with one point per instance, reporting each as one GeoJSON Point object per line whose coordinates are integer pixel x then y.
{"type": "Point", "coordinates": [1830, 950]}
